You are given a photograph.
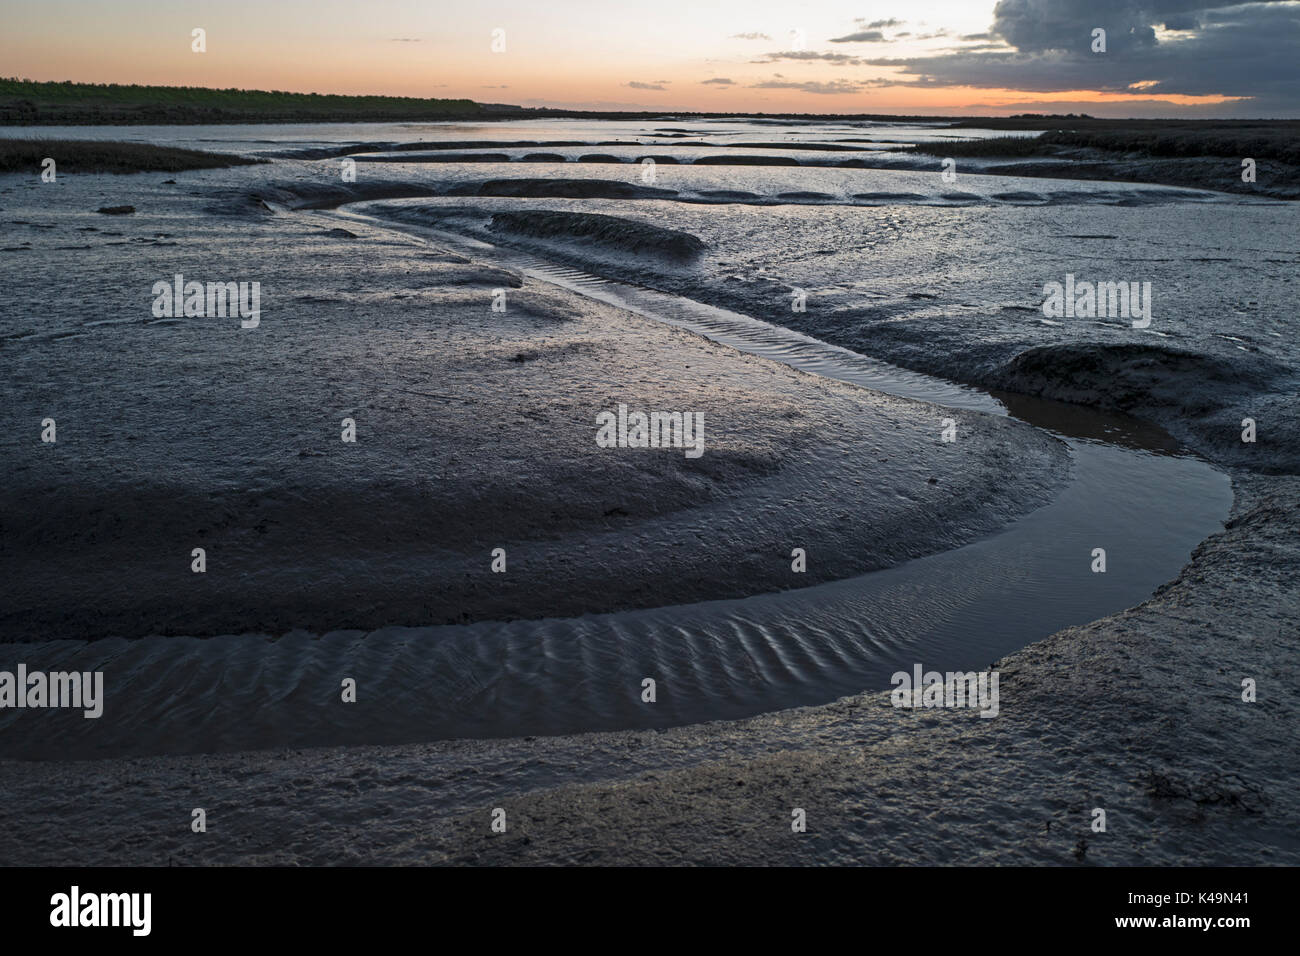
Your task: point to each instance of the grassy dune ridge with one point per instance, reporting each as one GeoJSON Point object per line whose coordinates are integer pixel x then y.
{"type": "Point", "coordinates": [25, 102]}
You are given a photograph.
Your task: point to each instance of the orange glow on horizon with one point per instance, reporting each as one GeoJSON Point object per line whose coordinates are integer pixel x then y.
{"type": "Point", "coordinates": [600, 61]}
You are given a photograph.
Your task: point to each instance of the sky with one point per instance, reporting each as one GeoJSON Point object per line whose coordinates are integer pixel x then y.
{"type": "Point", "coordinates": [1161, 58]}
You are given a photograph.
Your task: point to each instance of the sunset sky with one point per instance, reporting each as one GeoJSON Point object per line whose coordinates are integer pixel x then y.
{"type": "Point", "coordinates": [912, 56]}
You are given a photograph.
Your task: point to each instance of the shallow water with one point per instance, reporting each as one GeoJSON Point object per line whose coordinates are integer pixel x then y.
{"type": "Point", "coordinates": [257, 138]}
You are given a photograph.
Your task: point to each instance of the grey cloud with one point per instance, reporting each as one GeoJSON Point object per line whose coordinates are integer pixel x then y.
{"type": "Point", "coordinates": [843, 59]}
{"type": "Point", "coordinates": [864, 36]}
{"type": "Point", "coordinates": [1035, 26]}
{"type": "Point", "coordinates": [831, 87]}
{"type": "Point", "coordinates": [1247, 50]}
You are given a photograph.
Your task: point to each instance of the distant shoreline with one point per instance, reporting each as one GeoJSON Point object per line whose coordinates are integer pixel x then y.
{"type": "Point", "coordinates": [30, 103]}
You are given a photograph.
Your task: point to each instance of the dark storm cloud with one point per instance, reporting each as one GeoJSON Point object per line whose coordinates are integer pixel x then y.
{"type": "Point", "coordinates": [1245, 50]}
{"type": "Point", "coordinates": [1036, 26]}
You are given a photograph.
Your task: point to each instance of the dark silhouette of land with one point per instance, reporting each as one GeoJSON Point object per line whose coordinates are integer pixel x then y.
{"type": "Point", "coordinates": [24, 102]}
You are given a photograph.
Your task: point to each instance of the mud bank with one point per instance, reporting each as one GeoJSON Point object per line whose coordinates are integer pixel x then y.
{"type": "Point", "coordinates": [1200, 397]}
{"type": "Point", "coordinates": [608, 231]}
{"type": "Point", "coordinates": [1219, 351]}
{"type": "Point", "coordinates": [475, 430]}
{"type": "Point", "coordinates": [1277, 180]}
{"type": "Point", "coordinates": [1139, 714]}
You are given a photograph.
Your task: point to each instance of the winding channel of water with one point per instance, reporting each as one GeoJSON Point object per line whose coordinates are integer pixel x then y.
{"type": "Point", "coordinates": [1132, 490]}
